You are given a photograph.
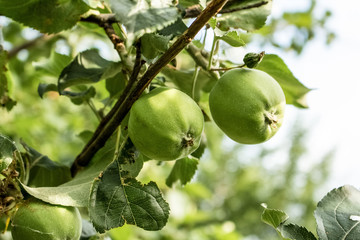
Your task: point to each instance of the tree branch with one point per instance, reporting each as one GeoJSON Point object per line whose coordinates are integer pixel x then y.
{"type": "Point", "coordinates": [255, 5]}
{"type": "Point", "coordinates": [122, 107]}
{"type": "Point", "coordinates": [105, 21]}
{"type": "Point", "coordinates": [195, 10]}
{"type": "Point", "coordinates": [29, 44]}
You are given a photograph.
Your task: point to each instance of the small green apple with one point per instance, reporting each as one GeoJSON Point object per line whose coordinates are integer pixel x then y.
{"type": "Point", "coordinates": [166, 124]}
{"type": "Point", "coordinates": [248, 105]}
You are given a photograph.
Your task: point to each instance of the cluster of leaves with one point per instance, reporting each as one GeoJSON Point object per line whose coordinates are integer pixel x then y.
{"type": "Point", "coordinates": [142, 33]}
{"type": "Point", "coordinates": [337, 217]}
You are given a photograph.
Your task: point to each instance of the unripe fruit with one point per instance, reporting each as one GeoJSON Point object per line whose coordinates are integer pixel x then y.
{"type": "Point", "coordinates": [251, 60]}
{"type": "Point", "coordinates": [247, 105]}
{"type": "Point", "coordinates": [37, 220]}
{"type": "Point", "coordinates": [166, 124]}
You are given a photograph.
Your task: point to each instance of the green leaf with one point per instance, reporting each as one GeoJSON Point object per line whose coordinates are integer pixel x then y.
{"type": "Point", "coordinates": [87, 67]}
{"type": "Point", "coordinates": [153, 44]}
{"type": "Point", "coordinates": [115, 201]}
{"type": "Point", "coordinates": [296, 232]}
{"type": "Point", "coordinates": [77, 191]}
{"type": "Point", "coordinates": [43, 171]}
{"type": "Point", "coordinates": [294, 90]}
{"type": "Point", "coordinates": [115, 85]}
{"type": "Point", "coordinates": [81, 97]}
{"type": "Point", "coordinates": [140, 17]}
{"type": "Point", "coordinates": [50, 16]}
{"type": "Point", "coordinates": [5, 100]}
{"type": "Point", "coordinates": [183, 170]}
{"type": "Point", "coordinates": [273, 217]}
{"type": "Point", "coordinates": [184, 81]}
{"type": "Point", "coordinates": [175, 29]}
{"type": "Point", "coordinates": [54, 65]}
{"type": "Point", "coordinates": [7, 149]}
{"type": "Point", "coordinates": [44, 88]}
{"type": "Point", "coordinates": [85, 135]}
{"type": "Point", "coordinates": [93, 3]}
{"type": "Point", "coordinates": [338, 214]}
{"type": "Point", "coordinates": [232, 38]}
{"type": "Point", "coordinates": [201, 149]}
{"type": "Point", "coordinates": [248, 15]}
{"type": "Point", "coordinates": [130, 158]}
{"type": "Point", "coordinates": [299, 19]}
{"type": "Point", "coordinates": [188, 3]}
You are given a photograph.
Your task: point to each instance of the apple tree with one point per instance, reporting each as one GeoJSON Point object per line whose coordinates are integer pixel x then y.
{"type": "Point", "coordinates": [143, 81]}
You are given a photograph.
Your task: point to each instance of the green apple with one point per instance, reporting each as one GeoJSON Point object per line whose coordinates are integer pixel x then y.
{"type": "Point", "coordinates": [248, 105]}
{"type": "Point", "coordinates": [37, 220]}
{"type": "Point", "coordinates": [166, 124]}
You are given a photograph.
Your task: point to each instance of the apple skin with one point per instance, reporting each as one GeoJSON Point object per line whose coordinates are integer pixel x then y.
{"type": "Point", "coordinates": [37, 220]}
{"type": "Point", "coordinates": [166, 124]}
{"type": "Point", "coordinates": [247, 105]}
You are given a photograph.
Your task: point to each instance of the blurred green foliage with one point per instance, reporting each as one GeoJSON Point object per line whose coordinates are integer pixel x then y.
{"type": "Point", "coordinates": [223, 200]}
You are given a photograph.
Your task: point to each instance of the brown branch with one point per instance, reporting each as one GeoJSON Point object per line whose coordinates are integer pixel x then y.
{"type": "Point", "coordinates": [195, 10]}
{"type": "Point", "coordinates": [255, 5]}
{"type": "Point", "coordinates": [138, 64]}
{"type": "Point", "coordinates": [100, 19]}
{"type": "Point", "coordinates": [105, 21]}
{"type": "Point", "coordinates": [122, 107]}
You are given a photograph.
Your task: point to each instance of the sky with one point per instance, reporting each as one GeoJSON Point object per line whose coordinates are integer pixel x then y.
{"type": "Point", "coordinates": [333, 71]}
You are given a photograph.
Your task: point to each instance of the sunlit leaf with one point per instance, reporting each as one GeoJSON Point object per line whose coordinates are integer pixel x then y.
{"type": "Point", "coordinates": [232, 38]}
{"type": "Point", "coordinates": [49, 16]}
{"type": "Point", "coordinates": [54, 65]}
{"type": "Point", "coordinates": [296, 232]}
{"type": "Point", "coordinates": [338, 214]}
{"type": "Point", "coordinates": [7, 148]}
{"type": "Point", "coordinates": [43, 171]}
{"type": "Point", "coordinates": [183, 170]}
{"type": "Point", "coordinates": [248, 15]}
{"type": "Point", "coordinates": [115, 201]}
{"type": "Point", "coordinates": [295, 91]}
{"type": "Point", "coordinates": [140, 17]}
{"type": "Point", "coordinates": [273, 217]}
{"type": "Point", "coordinates": [87, 67]}
{"type": "Point", "coordinates": [188, 3]}
{"type": "Point", "coordinates": [77, 191]}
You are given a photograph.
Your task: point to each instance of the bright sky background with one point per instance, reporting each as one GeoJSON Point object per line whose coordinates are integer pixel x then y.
{"type": "Point", "coordinates": [333, 117]}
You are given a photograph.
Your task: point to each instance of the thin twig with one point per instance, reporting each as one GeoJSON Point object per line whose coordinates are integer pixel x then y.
{"type": "Point", "coordinates": [138, 64]}
{"type": "Point", "coordinates": [106, 129]}
{"type": "Point", "coordinates": [100, 19]}
{"type": "Point", "coordinates": [29, 44]}
{"type": "Point", "coordinates": [227, 69]}
{"type": "Point", "coordinates": [195, 10]}
{"type": "Point", "coordinates": [105, 21]}
{"type": "Point", "coordinates": [255, 5]}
